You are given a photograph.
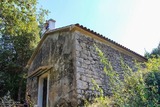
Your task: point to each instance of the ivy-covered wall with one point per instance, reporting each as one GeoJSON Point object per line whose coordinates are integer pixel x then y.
{"type": "Point", "coordinates": [75, 62]}
{"type": "Point", "coordinates": [88, 66]}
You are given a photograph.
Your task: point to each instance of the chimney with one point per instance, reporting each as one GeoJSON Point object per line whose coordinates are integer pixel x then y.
{"type": "Point", "coordinates": [49, 25]}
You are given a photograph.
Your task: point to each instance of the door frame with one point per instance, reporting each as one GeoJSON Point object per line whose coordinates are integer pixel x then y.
{"type": "Point", "coordinates": [40, 88]}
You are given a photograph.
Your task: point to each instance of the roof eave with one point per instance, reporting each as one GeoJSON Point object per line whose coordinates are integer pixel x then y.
{"type": "Point", "coordinates": [111, 41]}
{"type": "Point", "coordinates": [72, 28]}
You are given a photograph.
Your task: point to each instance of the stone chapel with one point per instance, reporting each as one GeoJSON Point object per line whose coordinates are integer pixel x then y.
{"type": "Point", "coordinates": [62, 66]}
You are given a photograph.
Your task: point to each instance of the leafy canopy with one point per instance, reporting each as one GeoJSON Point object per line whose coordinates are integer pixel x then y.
{"type": "Point", "coordinates": [19, 35]}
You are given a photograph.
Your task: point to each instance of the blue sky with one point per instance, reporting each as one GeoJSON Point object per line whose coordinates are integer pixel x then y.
{"type": "Point", "coordinates": [132, 23]}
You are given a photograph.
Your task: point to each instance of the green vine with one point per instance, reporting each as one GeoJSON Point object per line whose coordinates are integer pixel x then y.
{"type": "Point", "coordinates": [140, 88]}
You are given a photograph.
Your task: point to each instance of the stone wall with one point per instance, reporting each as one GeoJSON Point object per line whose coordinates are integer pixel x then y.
{"type": "Point", "coordinates": [88, 66]}
{"type": "Point", "coordinates": [75, 63]}
{"type": "Point", "coordinates": [56, 51]}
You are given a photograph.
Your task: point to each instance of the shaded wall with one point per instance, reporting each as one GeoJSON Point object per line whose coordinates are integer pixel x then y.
{"type": "Point", "coordinates": [56, 51]}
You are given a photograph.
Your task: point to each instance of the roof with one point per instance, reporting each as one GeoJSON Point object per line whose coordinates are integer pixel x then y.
{"type": "Point", "coordinates": [103, 37]}
{"type": "Point", "coordinates": [74, 27]}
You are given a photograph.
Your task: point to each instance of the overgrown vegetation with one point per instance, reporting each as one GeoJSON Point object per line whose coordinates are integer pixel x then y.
{"type": "Point", "coordinates": [6, 101]}
{"type": "Point", "coordinates": [137, 89]}
{"type": "Point", "coordinates": [19, 35]}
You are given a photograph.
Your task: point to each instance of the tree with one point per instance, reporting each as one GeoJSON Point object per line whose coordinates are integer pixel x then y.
{"type": "Point", "coordinates": [19, 32]}
{"type": "Point", "coordinates": [155, 53]}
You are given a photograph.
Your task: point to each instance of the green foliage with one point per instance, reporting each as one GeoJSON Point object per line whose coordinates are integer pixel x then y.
{"type": "Point", "coordinates": [154, 54]}
{"type": "Point", "coordinates": [137, 89]}
{"type": "Point", "coordinates": [19, 35]}
{"type": "Point", "coordinates": [17, 16]}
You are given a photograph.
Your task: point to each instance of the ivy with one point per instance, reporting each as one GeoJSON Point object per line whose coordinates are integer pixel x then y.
{"type": "Point", "coordinates": [137, 89]}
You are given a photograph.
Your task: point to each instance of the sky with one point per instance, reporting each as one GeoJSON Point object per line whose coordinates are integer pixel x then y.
{"type": "Point", "coordinates": [134, 24]}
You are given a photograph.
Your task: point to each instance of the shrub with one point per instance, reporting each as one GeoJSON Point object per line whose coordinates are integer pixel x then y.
{"type": "Point", "coordinates": [137, 89]}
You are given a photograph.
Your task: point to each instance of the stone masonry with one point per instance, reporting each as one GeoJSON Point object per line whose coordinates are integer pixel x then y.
{"type": "Point", "coordinates": [69, 57]}
{"type": "Point", "coordinates": [56, 51]}
{"type": "Point", "coordinates": [88, 65]}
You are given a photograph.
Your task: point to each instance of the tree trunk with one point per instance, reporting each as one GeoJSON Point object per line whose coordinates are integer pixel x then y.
{"type": "Point", "coordinates": [20, 90]}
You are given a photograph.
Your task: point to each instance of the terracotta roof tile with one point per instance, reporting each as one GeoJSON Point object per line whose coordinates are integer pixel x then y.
{"type": "Point", "coordinates": [101, 36]}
